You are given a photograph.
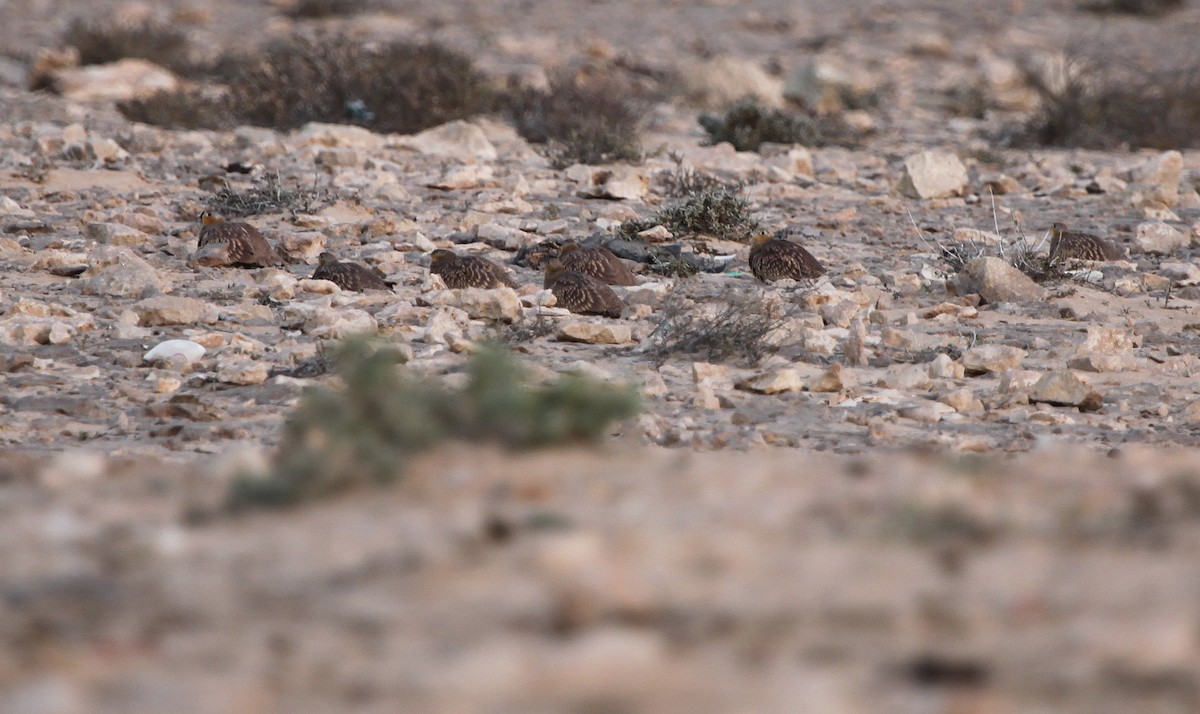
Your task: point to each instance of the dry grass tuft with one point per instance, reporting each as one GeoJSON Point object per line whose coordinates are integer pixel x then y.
{"type": "Point", "coordinates": [269, 195]}
{"type": "Point", "coordinates": [747, 125]}
{"type": "Point", "coordinates": [733, 326]}
{"type": "Point", "coordinates": [156, 41]}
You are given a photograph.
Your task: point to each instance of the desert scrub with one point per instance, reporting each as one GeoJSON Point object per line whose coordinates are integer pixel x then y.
{"type": "Point", "coordinates": [732, 326]}
{"type": "Point", "coordinates": [1101, 101]}
{"type": "Point", "coordinates": [155, 41]}
{"type": "Point", "coordinates": [390, 87]}
{"type": "Point", "coordinates": [268, 195]}
{"type": "Point", "coordinates": [747, 125]}
{"type": "Point", "coordinates": [683, 180]}
{"type": "Point", "coordinates": [720, 212]}
{"type": "Point", "coordinates": [188, 108]}
{"type": "Point", "coordinates": [1145, 8]}
{"type": "Point", "coordinates": [366, 429]}
{"type": "Point", "coordinates": [316, 9]}
{"type": "Point", "coordinates": [592, 121]}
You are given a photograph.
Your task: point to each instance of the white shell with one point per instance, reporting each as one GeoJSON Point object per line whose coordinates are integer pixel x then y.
{"type": "Point", "coordinates": [190, 351]}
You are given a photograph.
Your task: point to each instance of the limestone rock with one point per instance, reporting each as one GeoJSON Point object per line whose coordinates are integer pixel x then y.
{"type": "Point", "coordinates": [723, 80]}
{"type": "Point", "coordinates": [454, 140]}
{"type": "Point", "coordinates": [334, 135]}
{"type": "Point", "coordinates": [337, 323]}
{"type": "Point", "coordinates": [595, 333]}
{"type": "Point", "coordinates": [776, 382]}
{"type": "Point", "coordinates": [1157, 180]}
{"type": "Point", "coordinates": [992, 358]}
{"type": "Point", "coordinates": [925, 411]}
{"type": "Point", "coordinates": [933, 174]}
{"type": "Point", "coordinates": [301, 246]}
{"type": "Point", "coordinates": [1159, 238]}
{"type": "Point", "coordinates": [497, 304]}
{"type": "Point", "coordinates": [239, 370]}
{"type": "Point", "coordinates": [117, 271]}
{"type": "Point", "coordinates": [1060, 388]}
{"type": "Point", "coordinates": [834, 379]}
{"type": "Point", "coordinates": [117, 234]}
{"type": "Point", "coordinates": [618, 183]}
{"type": "Point", "coordinates": [173, 310]}
{"type": "Point", "coordinates": [127, 78]}
{"type": "Point", "coordinates": [996, 281]}
{"type": "Point", "coordinates": [185, 351]}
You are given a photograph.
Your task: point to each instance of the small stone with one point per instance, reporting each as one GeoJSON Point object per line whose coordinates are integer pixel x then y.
{"type": "Point", "coordinates": [117, 234]}
{"type": "Point", "coordinates": [238, 370]}
{"type": "Point", "coordinates": [943, 367]}
{"type": "Point", "coordinates": [1156, 182]}
{"type": "Point", "coordinates": [996, 281]}
{"type": "Point", "coordinates": [595, 333]}
{"type": "Point", "coordinates": [318, 287]}
{"type": "Point", "coordinates": [303, 246]}
{"type": "Point", "coordinates": [708, 373]}
{"type": "Point", "coordinates": [1060, 388]}
{"type": "Point", "coordinates": [618, 183]}
{"type": "Point", "coordinates": [173, 310]}
{"type": "Point", "coordinates": [185, 350]}
{"type": "Point", "coordinates": [925, 411]}
{"type": "Point", "coordinates": [456, 140]}
{"type": "Point", "coordinates": [776, 382]}
{"type": "Point", "coordinates": [1104, 363]}
{"type": "Point", "coordinates": [1158, 238]}
{"type": "Point", "coordinates": [933, 174]}
{"type": "Point", "coordinates": [124, 79]}
{"type": "Point", "coordinates": [962, 400]}
{"type": "Point", "coordinates": [839, 314]}
{"type": "Point", "coordinates": [991, 358]}
{"type": "Point", "coordinates": [339, 323]}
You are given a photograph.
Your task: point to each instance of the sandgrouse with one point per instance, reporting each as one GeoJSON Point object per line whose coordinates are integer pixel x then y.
{"type": "Point", "coordinates": [1067, 245]}
{"type": "Point", "coordinates": [232, 243]}
{"type": "Point", "coordinates": [774, 259]}
{"type": "Point", "coordinates": [468, 271]}
{"type": "Point", "coordinates": [581, 293]}
{"type": "Point", "coordinates": [599, 262]}
{"type": "Point", "coordinates": [348, 275]}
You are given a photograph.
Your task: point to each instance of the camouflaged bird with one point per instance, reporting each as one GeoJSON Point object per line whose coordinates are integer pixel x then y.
{"type": "Point", "coordinates": [774, 259]}
{"type": "Point", "coordinates": [232, 243]}
{"type": "Point", "coordinates": [599, 262]}
{"type": "Point", "coordinates": [349, 276]}
{"type": "Point", "coordinates": [468, 271]}
{"type": "Point", "coordinates": [1068, 245]}
{"type": "Point", "coordinates": [581, 293]}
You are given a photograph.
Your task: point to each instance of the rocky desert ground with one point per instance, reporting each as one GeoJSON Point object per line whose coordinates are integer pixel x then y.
{"type": "Point", "coordinates": [943, 489]}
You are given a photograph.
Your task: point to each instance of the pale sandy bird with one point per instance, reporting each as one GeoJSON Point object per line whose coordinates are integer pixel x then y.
{"type": "Point", "coordinates": [468, 271]}
{"type": "Point", "coordinates": [232, 243]}
{"type": "Point", "coordinates": [774, 259]}
{"type": "Point", "coordinates": [1067, 245]}
{"type": "Point", "coordinates": [581, 293]}
{"type": "Point", "coordinates": [348, 275]}
{"type": "Point", "coordinates": [599, 262]}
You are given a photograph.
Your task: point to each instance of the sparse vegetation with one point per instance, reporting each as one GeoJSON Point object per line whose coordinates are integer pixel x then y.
{"type": "Point", "coordinates": [684, 180]}
{"type": "Point", "coordinates": [189, 108]}
{"type": "Point", "coordinates": [1104, 102]}
{"type": "Point", "coordinates": [747, 125]}
{"type": "Point", "coordinates": [1147, 8]}
{"type": "Point", "coordinates": [722, 213]}
{"type": "Point", "coordinates": [733, 326]}
{"type": "Point", "coordinates": [393, 87]}
{"type": "Point", "coordinates": [155, 41]}
{"type": "Point", "coordinates": [588, 122]}
{"type": "Point", "coordinates": [317, 9]}
{"type": "Point", "coordinates": [269, 195]}
{"type": "Point", "coordinates": [365, 430]}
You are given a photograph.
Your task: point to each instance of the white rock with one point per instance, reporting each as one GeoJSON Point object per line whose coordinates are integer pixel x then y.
{"type": "Point", "coordinates": [238, 370]}
{"type": "Point", "coordinates": [776, 382]}
{"type": "Point", "coordinates": [497, 304]}
{"type": "Point", "coordinates": [992, 358]}
{"type": "Point", "coordinates": [174, 310]}
{"type": "Point", "coordinates": [124, 79]}
{"type": "Point", "coordinates": [456, 140]}
{"type": "Point", "coordinates": [721, 81]}
{"type": "Point", "coordinates": [595, 333]}
{"type": "Point", "coordinates": [320, 134]}
{"type": "Point", "coordinates": [330, 323]}
{"type": "Point", "coordinates": [618, 183]}
{"type": "Point", "coordinates": [1159, 238]}
{"type": "Point", "coordinates": [186, 350]}
{"type": "Point", "coordinates": [933, 174]}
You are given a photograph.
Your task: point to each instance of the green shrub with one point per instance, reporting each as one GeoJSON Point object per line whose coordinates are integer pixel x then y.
{"type": "Point", "coordinates": [366, 430]}
{"type": "Point", "coordinates": [747, 125]}
{"type": "Point", "coordinates": [722, 213]}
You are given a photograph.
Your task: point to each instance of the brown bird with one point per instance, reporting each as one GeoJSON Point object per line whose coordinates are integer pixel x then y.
{"type": "Point", "coordinates": [348, 275]}
{"type": "Point", "coordinates": [581, 293]}
{"type": "Point", "coordinates": [232, 243]}
{"type": "Point", "coordinates": [773, 259]}
{"type": "Point", "coordinates": [468, 271]}
{"type": "Point", "coordinates": [599, 262]}
{"type": "Point", "coordinates": [1067, 245]}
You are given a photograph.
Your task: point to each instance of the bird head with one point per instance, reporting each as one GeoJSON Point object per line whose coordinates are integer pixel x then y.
{"type": "Point", "coordinates": [441, 255]}
{"type": "Point", "coordinates": [1058, 228]}
{"type": "Point", "coordinates": [760, 238]}
{"type": "Point", "coordinates": [568, 247]}
{"type": "Point", "coordinates": [208, 218]}
{"type": "Point", "coordinates": [325, 258]}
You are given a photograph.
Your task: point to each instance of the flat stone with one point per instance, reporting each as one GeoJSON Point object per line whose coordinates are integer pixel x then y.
{"type": "Point", "coordinates": [497, 304]}
{"type": "Point", "coordinates": [595, 333]}
{"type": "Point", "coordinates": [1060, 388]}
{"type": "Point", "coordinates": [1159, 238]}
{"type": "Point", "coordinates": [775, 382]}
{"type": "Point", "coordinates": [992, 358]}
{"type": "Point", "coordinates": [996, 281]}
{"type": "Point", "coordinates": [933, 174]}
{"type": "Point", "coordinates": [174, 310]}
{"type": "Point", "coordinates": [454, 140]}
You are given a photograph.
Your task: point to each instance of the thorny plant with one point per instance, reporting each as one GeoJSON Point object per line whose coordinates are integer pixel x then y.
{"type": "Point", "coordinates": [269, 196]}
{"type": "Point", "coordinates": [744, 326]}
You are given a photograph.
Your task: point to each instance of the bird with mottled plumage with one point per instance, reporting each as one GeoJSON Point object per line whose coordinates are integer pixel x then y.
{"type": "Point", "coordinates": [468, 271]}
{"type": "Point", "coordinates": [348, 275]}
{"type": "Point", "coordinates": [581, 293]}
{"type": "Point", "coordinates": [774, 259]}
{"type": "Point", "coordinates": [599, 262]}
{"type": "Point", "coordinates": [1067, 245]}
{"type": "Point", "coordinates": [232, 243]}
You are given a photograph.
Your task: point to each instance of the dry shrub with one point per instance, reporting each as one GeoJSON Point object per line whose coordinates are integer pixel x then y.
{"type": "Point", "coordinates": [592, 121]}
{"type": "Point", "coordinates": [1100, 101]}
{"type": "Point", "coordinates": [268, 195]}
{"type": "Point", "coordinates": [720, 212]}
{"type": "Point", "coordinates": [1145, 8]}
{"type": "Point", "coordinates": [394, 87]}
{"type": "Point", "coordinates": [732, 326]}
{"type": "Point", "coordinates": [317, 9]}
{"type": "Point", "coordinates": [156, 41]}
{"type": "Point", "coordinates": [189, 108]}
{"type": "Point", "coordinates": [683, 180]}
